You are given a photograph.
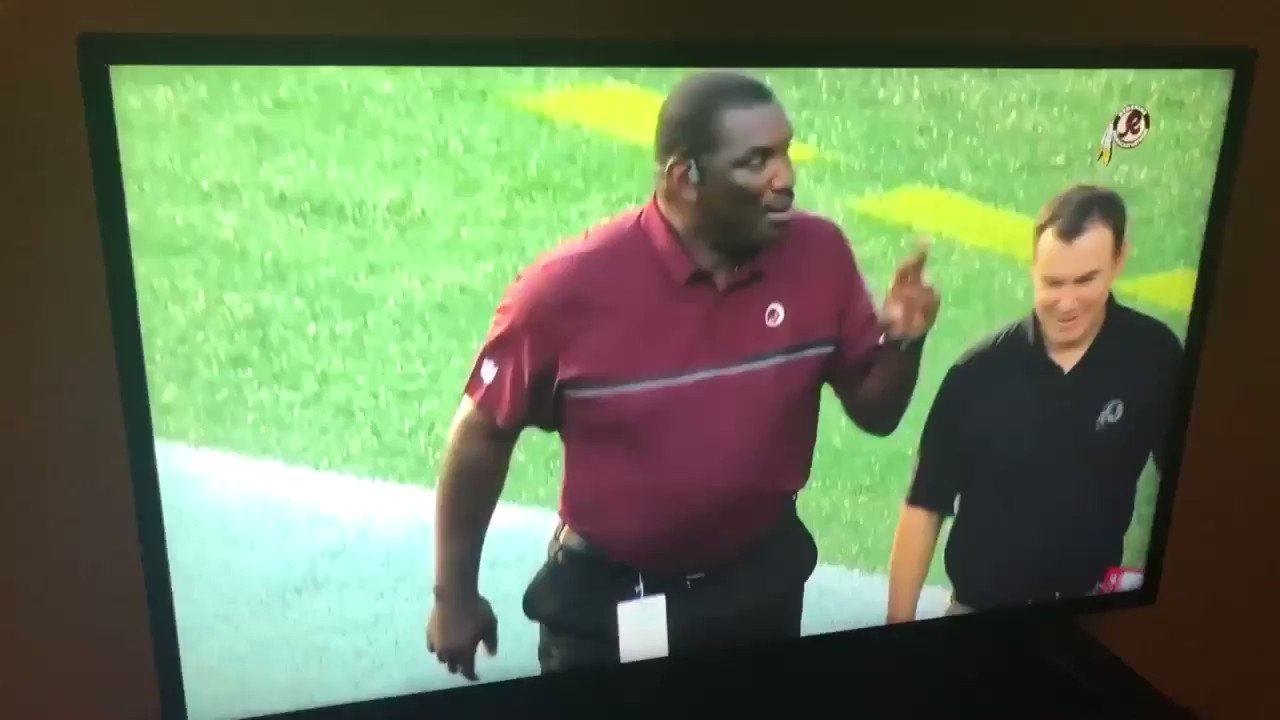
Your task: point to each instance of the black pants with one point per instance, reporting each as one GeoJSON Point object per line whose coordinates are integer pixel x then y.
{"type": "Point", "coordinates": [757, 598]}
{"type": "Point", "coordinates": [776, 620]}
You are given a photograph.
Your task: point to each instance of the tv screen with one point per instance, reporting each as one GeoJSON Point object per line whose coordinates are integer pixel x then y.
{"type": "Point", "coordinates": [451, 365]}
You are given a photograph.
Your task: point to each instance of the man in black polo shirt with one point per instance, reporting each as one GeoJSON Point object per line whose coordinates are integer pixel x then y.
{"type": "Point", "coordinates": [1038, 434]}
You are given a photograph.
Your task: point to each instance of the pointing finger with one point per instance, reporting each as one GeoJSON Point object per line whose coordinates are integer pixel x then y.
{"type": "Point", "coordinates": [910, 269]}
{"type": "Point", "coordinates": [902, 275]}
{"type": "Point", "coordinates": [919, 258]}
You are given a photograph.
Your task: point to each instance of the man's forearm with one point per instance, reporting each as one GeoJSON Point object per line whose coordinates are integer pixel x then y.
{"type": "Point", "coordinates": [914, 542]}
{"type": "Point", "coordinates": [474, 471]}
{"type": "Point", "coordinates": [879, 398]}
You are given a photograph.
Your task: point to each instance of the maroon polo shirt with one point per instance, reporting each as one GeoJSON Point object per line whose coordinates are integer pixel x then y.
{"type": "Point", "coordinates": [688, 414]}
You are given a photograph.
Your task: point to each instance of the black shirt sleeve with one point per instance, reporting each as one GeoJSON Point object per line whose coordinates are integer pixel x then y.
{"type": "Point", "coordinates": [1169, 385]}
{"type": "Point", "coordinates": [939, 469]}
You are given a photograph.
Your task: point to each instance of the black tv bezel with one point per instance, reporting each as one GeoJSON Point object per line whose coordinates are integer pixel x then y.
{"type": "Point", "coordinates": [98, 52]}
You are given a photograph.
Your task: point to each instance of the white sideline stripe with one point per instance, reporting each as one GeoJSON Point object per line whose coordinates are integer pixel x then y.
{"type": "Point", "coordinates": [295, 588]}
{"type": "Point", "coordinates": [325, 491]}
{"type": "Point", "coordinates": [345, 496]}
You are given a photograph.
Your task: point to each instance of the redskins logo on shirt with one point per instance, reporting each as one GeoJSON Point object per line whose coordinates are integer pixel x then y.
{"type": "Point", "coordinates": [774, 314]}
{"type": "Point", "coordinates": [1110, 415]}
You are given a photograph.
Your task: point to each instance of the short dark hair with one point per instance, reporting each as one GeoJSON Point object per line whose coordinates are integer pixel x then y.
{"type": "Point", "coordinates": [1072, 210]}
{"type": "Point", "coordinates": [689, 117]}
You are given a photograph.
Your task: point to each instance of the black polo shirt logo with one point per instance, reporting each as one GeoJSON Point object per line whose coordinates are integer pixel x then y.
{"type": "Point", "coordinates": [1110, 414]}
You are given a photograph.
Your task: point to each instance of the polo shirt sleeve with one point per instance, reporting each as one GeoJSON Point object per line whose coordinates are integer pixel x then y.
{"type": "Point", "coordinates": [513, 376]}
{"type": "Point", "coordinates": [859, 328]}
{"type": "Point", "coordinates": [1169, 367]}
{"type": "Point", "coordinates": [940, 468]}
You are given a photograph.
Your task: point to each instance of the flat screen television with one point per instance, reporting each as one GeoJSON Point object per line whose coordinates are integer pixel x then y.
{"type": "Point", "coordinates": [636, 353]}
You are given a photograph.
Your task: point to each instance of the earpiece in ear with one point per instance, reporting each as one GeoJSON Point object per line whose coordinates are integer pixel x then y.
{"type": "Point", "coordinates": [694, 177]}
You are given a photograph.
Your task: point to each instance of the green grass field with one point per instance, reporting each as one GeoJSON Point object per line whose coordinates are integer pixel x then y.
{"type": "Point", "coordinates": [318, 250]}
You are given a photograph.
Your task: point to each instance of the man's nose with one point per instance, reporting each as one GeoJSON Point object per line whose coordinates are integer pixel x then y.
{"type": "Point", "coordinates": [784, 175]}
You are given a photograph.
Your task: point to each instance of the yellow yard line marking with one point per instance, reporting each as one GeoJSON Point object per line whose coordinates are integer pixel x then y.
{"type": "Point", "coordinates": [620, 110]}
{"type": "Point", "coordinates": [954, 216]}
{"type": "Point", "coordinates": [1173, 289]}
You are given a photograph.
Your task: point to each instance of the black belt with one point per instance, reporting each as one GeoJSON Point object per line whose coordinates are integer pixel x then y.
{"type": "Point", "coordinates": [647, 583]}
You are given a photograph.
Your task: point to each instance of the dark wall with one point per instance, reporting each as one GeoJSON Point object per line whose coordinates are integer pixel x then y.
{"type": "Point", "coordinates": [75, 637]}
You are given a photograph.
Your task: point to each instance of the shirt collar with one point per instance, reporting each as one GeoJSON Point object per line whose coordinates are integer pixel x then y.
{"type": "Point", "coordinates": [663, 236]}
{"type": "Point", "coordinates": [672, 253]}
{"type": "Point", "coordinates": [1031, 327]}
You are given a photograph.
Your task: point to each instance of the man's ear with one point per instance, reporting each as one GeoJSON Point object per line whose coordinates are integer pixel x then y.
{"type": "Point", "coordinates": [671, 171]}
{"type": "Point", "coordinates": [691, 169]}
{"type": "Point", "coordinates": [1122, 254]}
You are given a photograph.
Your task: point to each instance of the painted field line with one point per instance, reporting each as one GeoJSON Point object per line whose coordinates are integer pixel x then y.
{"type": "Point", "coordinates": [620, 110]}
{"type": "Point", "coordinates": [954, 216]}
{"type": "Point", "coordinates": [1173, 289]}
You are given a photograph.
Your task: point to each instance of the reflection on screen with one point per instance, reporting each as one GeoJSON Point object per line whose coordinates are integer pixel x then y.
{"type": "Point", "coordinates": [328, 260]}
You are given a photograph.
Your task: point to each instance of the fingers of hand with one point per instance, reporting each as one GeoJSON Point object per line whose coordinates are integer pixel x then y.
{"type": "Point", "coordinates": [893, 313]}
{"type": "Point", "coordinates": [910, 270]}
{"type": "Point", "coordinates": [461, 658]}
{"type": "Point", "coordinates": [928, 310]}
{"type": "Point", "coordinates": [902, 276]}
{"type": "Point", "coordinates": [467, 666]}
{"type": "Point", "coordinates": [460, 661]}
{"type": "Point", "coordinates": [912, 302]}
{"type": "Point", "coordinates": [911, 310]}
{"type": "Point", "coordinates": [491, 640]}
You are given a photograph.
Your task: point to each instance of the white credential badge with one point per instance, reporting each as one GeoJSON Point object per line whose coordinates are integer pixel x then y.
{"type": "Point", "coordinates": [642, 628]}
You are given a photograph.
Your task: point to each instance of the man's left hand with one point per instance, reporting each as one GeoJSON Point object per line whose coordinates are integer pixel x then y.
{"type": "Point", "coordinates": [912, 303]}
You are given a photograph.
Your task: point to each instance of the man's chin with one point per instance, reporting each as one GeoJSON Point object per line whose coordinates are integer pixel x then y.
{"type": "Point", "coordinates": [762, 243]}
{"type": "Point", "coordinates": [745, 250]}
{"type": "Point", "coordinates": [1066, 339]}
{"type": "Point", "coordinates": [770, 232]}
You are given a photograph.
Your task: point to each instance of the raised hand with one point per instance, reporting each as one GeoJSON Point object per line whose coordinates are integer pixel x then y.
{"type": "Point", "coordinates": [912, 303]}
